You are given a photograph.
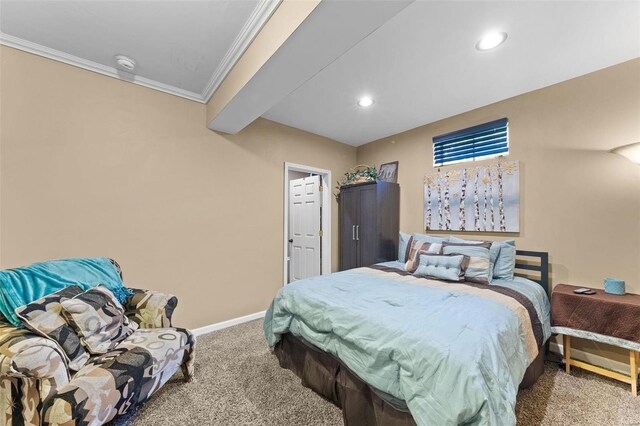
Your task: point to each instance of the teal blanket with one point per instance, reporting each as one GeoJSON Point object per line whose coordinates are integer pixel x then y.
{"type": "Point", "coordinates": [455, 353]}
{"type": "Point", "coordinates": [21, 286]}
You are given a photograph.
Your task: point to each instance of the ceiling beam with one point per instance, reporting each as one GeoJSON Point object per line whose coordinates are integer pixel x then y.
{"type": "Point", "coordinates": [277, 63]}
{"type": "Point", "coordinates": [283, 22]}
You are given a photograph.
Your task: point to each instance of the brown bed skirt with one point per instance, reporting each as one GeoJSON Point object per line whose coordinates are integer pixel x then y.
{"type": "Point", "coordinates": [361, 404]}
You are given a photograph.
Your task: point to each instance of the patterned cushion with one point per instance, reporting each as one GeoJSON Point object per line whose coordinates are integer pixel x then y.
{"type": "Point", "coordinates": [416, 246]}
{"type": "Point", "coordinates": [448, 267]}
{"type": "Point", "coordinates": [113, 383]}
{"type": "Point", "coordinates": [150, 309]}
{"type": "Point", "coordinates": [44, 316]}
{"type": "Point", "coordinates": [99, 319]}
{"type": "Point", "coordinates": [479, 268]}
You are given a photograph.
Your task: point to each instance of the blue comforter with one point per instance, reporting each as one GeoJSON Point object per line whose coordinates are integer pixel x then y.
{"type": "Point", "coordinates": [455, 353]}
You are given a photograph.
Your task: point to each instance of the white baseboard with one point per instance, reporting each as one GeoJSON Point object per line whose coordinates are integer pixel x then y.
{"type": "Point", "coordinates": [225, 324]}
{"type": "Point", "coordinates": [591, 358]}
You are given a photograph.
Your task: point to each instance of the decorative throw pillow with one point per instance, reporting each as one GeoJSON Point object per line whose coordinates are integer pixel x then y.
{"type": "Point", "coordinates": [479, 268]}
{"type": "Point", "coordinates": [44, 317]}
{"type": "Point", "coordinates": [402, 246]}
{"type": "Point", "coordinates": [494, 250]}
{"type": "Point", "coordinates": [99, 319]}
{"type": "Point", "coordinates": [429, 238]}
{"type": "Point", "coordinates": [506, 261]}
{"type": "Point", "coordinates": [416, 246]}
{"type": "Point", "coordinates": [448, 267]}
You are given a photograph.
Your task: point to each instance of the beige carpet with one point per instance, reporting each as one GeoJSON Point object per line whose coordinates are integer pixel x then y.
{"type": "Point", "coordinates": [239, 382]}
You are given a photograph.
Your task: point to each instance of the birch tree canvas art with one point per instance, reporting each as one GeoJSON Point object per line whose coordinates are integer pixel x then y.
{"type": "Point", "coordinates": [476, 198]}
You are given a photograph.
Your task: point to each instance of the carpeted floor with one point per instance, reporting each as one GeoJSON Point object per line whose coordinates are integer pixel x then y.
{"type": "Point", "coordinates": [239, 382]}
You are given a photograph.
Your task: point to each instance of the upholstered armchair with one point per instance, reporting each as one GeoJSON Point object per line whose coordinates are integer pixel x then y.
{"type": "Point", "coordinates": [38, 388]}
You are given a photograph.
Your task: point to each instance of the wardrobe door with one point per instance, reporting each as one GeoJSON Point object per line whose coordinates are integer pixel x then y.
{"type": "Point", "coordinates": [388, 220]}
{"type": "Point", "coordinates": [367, 228]}
{"type": "Point", "coordinates": [349, 200]}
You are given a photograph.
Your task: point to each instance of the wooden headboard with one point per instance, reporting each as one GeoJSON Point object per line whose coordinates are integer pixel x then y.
{"type": "Point", "coordinates": [536, 265]}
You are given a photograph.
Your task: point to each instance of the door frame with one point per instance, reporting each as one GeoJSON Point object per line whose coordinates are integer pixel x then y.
{"type": "Point", "coordinates": [325, 241]}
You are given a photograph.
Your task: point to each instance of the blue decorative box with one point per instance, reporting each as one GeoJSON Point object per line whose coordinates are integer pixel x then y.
{"type": "Point", "coordinates": [613, 286]}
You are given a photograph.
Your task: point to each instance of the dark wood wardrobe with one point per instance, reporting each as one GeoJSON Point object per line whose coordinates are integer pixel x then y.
{"type": "Point", "coordinates": [369, 223]}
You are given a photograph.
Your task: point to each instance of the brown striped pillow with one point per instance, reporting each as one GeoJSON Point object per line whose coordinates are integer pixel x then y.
{"type": "Point", "coordinates": [414, 248]}
{"type": "Point", "coordinates": [479, 268]}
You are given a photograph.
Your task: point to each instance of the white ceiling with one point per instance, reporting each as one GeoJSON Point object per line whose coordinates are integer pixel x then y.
{"type": "Point", "coordinates": [181, 47]}
{"type": "Point", "coordinates": [422, 65]}
{"type": "Point", "coordinates": [332, 29]}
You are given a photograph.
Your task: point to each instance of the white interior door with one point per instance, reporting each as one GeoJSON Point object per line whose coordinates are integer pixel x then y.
{"type": "Point", "coordinates": [305, 203]}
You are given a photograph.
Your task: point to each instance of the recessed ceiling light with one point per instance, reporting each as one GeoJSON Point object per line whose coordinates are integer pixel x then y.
{"type": "Point", "coordinates": [125, 63]}
{"type": "Point", "coordinates": [365, 101]}
{"type": "Point", "coordinates": [491, 40]}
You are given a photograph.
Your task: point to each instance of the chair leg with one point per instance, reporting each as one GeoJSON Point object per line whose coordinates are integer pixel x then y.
{"type": "Point", "coordinates": [633, 365]}
{"type": "Point", "coordinates": [567, 353]}
{"type": "Point", "coordinates": [187, 372]}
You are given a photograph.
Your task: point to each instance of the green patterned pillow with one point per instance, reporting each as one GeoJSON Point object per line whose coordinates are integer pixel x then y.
{"type": "Point", "coordinates": [44, 317]}
{"type": "Point", "coordinates": [479, 268]}
{"type": "Point", "coordinates": [99, 319]}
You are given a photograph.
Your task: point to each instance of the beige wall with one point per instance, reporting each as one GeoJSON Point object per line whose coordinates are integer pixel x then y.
{"type": "Point", "coordinates": [1, 134]}
{"type": "Point", "coordinates": [93, 166]}
{"type": "Point", "coordinates": [578, 202]}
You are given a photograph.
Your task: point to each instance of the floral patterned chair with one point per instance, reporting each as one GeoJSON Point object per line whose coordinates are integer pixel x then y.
{"type": "Point", "coordinates": [37, 387]}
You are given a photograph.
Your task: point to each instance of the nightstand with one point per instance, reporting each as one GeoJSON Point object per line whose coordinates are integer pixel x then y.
{"type": "Point", "coordinates": [602, 317]}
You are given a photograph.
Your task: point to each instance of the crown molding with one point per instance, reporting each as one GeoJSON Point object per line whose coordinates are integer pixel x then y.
{"type": "Point", "coordinates": [251, 28]}
{"type": "Point", "coordinates": [56, 55]}
{"type": "Point", "coordinates": [254, 24]}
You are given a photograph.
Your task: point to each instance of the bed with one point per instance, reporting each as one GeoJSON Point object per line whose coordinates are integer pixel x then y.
{"type": "Point", "coordinates": [393, 349]}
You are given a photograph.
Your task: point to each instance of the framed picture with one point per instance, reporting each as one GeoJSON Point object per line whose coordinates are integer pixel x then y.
{"type": "Point", "coordinates": [474, 198]}
{"type": "Point", "coordinates": [388, 172]}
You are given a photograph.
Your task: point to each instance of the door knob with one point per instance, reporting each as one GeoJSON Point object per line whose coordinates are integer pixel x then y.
{"type": "Point", "coordinates": [290, 240]}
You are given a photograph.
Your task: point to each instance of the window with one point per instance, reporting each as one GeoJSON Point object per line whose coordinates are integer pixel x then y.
{"type": "Point", "coordinates": [474, 143]}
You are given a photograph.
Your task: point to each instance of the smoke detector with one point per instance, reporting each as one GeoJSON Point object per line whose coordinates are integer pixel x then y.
{"type": "Point", "coordinates": [125, 63]}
